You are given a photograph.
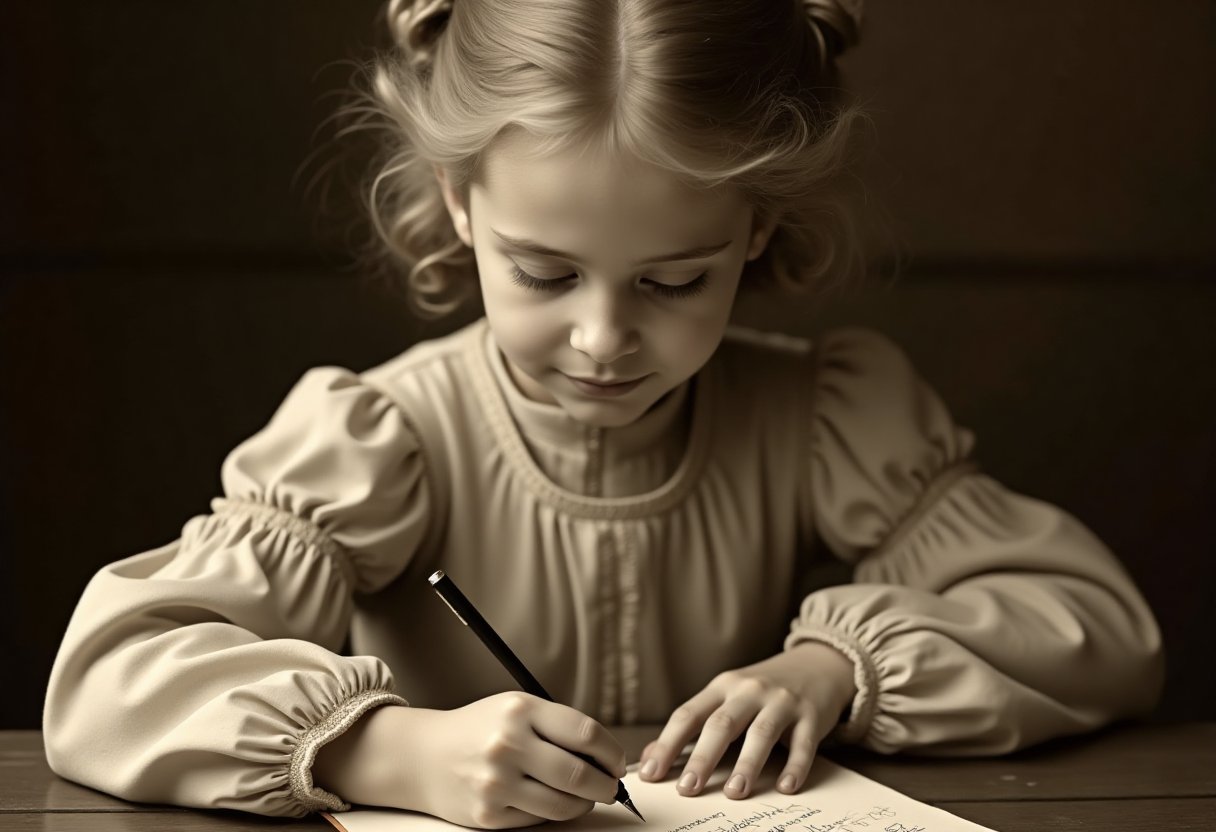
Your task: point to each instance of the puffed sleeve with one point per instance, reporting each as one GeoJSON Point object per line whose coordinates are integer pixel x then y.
{"type": "Point", "coordinates": [980, 620]}
{"type": "Point", "coordinates": [206, 672]}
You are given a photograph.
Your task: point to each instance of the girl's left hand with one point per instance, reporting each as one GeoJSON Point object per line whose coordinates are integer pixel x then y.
{"type": "Point", "coordinates": [796, 696]}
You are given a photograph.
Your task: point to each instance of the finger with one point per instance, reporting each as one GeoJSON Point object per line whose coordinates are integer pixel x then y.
{"type": "Point", "coordinates": [723, 727]}
{"type": "Point", "coordinates": [646, 750]}
{"type": "Point", "coordinates": [763, 733]}
{"type": "Point", "coordinates": [539, 800]}
{"type": "Point", "coordinates": [677, 762]}
{"type": "Point", "coordinates": [684, 723]}
{"type": "Point", "coordinates": [802, 745]}
{"type": "Point", "coordinates": [574, 731]}
{"type": "Point", "coordinates": [559, 769]}
{"type": "Point", "coordinates": [649, 751]}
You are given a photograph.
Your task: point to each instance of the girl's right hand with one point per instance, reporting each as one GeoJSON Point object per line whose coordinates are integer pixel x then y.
{"type": "Point", "coordinates": [500, 762]}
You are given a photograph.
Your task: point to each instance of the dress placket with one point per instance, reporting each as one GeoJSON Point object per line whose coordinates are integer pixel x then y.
{"type": "Point", "coordinates": [609, 630]}
{"type": "Point", "coordinates": [627, 572]}
{"type": "Point", "coordinates": [608, 595]}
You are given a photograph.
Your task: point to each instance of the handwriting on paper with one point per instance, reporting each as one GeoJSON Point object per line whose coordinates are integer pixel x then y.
{"type": "Point", "coordinates": [833, 799]}
{"type": "Point", "coordinates": [798, 816]}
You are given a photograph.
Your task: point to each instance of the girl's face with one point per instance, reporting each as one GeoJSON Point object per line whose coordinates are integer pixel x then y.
{"type": "Point", "coordinates": [602, 269]}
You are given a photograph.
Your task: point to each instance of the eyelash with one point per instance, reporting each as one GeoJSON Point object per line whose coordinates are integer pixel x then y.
{"type": "Point", "coordinates": [687, 290]}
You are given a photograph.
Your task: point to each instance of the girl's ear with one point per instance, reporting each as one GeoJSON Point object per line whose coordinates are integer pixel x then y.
{"type": "Point", "coordinates": [457, 210]}
{"type": "Point", "coordinates": [764, 223]}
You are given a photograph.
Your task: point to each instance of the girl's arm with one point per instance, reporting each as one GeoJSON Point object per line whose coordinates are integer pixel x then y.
{"type": "Point", "coordinates": [980, 620]}
{"type": "Point", "coordinates": [205, 673]}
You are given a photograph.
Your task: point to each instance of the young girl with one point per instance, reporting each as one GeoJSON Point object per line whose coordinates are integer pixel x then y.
{"type": "Point", "coordinates": [636, 495]}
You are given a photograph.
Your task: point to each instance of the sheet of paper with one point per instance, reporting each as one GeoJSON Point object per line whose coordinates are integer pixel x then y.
{"type": "Point", "coordinates": [834, 799]}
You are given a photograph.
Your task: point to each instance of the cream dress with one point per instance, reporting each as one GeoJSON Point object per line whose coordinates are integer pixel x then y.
{"type": "Point", "coordinates": [790, 491]}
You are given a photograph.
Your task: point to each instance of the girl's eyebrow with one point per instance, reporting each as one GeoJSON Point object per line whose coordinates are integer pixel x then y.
{"type": "Point", "coordinates": [537, 248]}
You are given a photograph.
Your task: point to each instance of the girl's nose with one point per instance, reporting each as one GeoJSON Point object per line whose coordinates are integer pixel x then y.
{"type": "Point", "coordinates": [605, 334]}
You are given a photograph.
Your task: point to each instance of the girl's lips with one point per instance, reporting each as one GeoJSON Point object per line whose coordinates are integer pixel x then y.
{"type": "Point", "coordinates": [604, 390]}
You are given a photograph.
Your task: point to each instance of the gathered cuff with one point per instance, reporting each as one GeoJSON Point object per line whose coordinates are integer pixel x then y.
{"type": "Point", "coordinates": [865, 676]}
{"type": "Point", "coordinates": [311, 797]}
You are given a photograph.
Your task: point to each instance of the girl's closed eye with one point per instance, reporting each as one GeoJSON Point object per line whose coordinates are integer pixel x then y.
{"type": "Point", "coordinates": [538, 284]}
{"type": "Point", "coordinates": [552, 284]}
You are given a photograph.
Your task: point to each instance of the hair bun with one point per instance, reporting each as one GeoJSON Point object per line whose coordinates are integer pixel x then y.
{"type": "Point", "coordinates": [836, 24]}
{"type": "Point", "coordinates": [416, 25]}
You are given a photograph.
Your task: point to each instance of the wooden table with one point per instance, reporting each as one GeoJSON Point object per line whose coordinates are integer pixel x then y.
{"type": "Point", "coordinates": [1132, 777]}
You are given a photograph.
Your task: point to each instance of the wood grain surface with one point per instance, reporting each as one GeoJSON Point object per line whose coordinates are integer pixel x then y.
{"type": "Point", "coordinates": [1128, 777]}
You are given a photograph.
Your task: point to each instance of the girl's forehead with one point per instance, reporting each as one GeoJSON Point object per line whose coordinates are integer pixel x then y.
{"type": "Point", "coordinates": [516, 176]}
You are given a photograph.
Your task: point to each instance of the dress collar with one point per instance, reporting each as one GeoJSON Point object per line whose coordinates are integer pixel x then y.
{"type": "Point", "coordinates": [488, 372]}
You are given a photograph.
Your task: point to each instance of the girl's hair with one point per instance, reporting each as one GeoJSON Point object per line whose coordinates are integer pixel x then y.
{"type": "Point", "coordinates": [716, 91]}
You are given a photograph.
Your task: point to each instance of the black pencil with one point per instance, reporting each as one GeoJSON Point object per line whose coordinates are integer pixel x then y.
{"type": "Point", "coordinates": [469, 616]}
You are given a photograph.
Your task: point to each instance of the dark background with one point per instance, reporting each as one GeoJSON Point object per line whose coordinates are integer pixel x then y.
{"type": "Point", "coordinates": [165, 276]}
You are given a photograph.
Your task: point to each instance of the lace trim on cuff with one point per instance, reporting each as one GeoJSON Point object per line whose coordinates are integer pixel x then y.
{"type": "Point", "coordinates": [865, 677]}
{"type": "Point", "coordinates": [307, 532]}
{"type": "Point", "coordinates": [311, 797]}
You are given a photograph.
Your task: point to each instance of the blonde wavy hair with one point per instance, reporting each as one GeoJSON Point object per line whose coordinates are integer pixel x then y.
{"type": "Point", "coordinates": [716, 91]}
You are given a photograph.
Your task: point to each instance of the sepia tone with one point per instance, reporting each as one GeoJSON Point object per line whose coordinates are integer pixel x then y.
{"type": "Point", "coordinates": [167, 279]}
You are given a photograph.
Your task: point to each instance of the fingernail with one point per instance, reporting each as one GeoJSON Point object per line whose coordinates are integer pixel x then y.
{"type": "Point", "coordinates": [787, 783]}
{"type": "Point", "coordinates": [689, 781]}
{"type": "Point", "coordinates": [649, 768]}
{"type": "Point", "coordinates": [737, 783]}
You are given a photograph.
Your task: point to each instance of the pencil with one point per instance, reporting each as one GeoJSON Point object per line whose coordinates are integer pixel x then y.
{"type": "Point", "coordinates": [470, 617]}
